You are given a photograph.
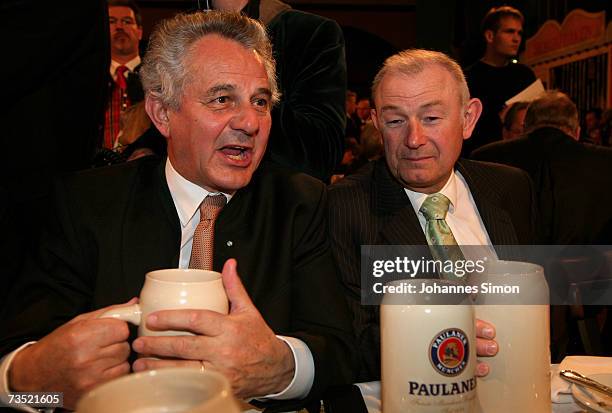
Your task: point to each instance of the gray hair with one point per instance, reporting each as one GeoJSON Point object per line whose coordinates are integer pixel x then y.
{"type": "Point", "coordinates": [554, 109]}
{"type": "Point", "coordinates": [414, 61]}
{"type": "Point", "coordinates": [165, 73]}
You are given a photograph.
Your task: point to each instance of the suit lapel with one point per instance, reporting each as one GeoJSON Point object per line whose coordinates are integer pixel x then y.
{"type": "Point", "coordinates": [496, 219]}
{"type": "Point", "coordinates": [399, 224]}
{"type": "Point", "coordinates": [151, 230]}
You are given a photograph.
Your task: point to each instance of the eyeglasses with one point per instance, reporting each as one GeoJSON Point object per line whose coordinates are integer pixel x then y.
{"type": "Point", "coordinates": [125, 21]}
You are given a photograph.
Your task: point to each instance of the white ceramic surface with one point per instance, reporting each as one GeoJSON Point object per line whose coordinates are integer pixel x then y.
{"type": "Point", "coordinates": [519, 378]}
{"type": "Point", "coordinates": [174, 289]}
{"type": "Point", "coordinates": [171, 390]}
{"type": "Point", "coordinates": [412, 375]}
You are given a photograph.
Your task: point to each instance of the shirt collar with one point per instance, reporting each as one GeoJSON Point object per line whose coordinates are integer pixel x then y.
{"type": "Point", "coordinates": [186, 195]}
{"type": "Point", "coordinates": [131, 65]}
{"type": "Point", "coordinates": [449, 190]}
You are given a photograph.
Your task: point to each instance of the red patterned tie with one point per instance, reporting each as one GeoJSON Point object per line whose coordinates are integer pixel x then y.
{"type": "Point", "coordinates": [118, 103]}
{"type": "Point", "coordinates": [204, 235]}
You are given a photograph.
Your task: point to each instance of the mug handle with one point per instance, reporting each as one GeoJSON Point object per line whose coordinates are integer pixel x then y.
{"type": "Point", "coordinates": [130, 313]}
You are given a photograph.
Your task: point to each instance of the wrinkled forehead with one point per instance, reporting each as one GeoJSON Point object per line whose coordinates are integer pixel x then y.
{"type": "Point", "coordinates": [432, 83]}
{"type": "Point", "coordinates": [215, 60]}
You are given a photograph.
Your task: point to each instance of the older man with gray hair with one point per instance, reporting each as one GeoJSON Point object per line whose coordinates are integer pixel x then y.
{"type": "Point", "coordinates": [570, 178]}
{"type": "Point", "coordinates": [423, 109]}
{"type": "Point", "coordinates": [210, 86]}
{"type": "Point", "coordinates": [568, 175]}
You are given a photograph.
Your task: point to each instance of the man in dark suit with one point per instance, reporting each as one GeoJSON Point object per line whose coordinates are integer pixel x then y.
{"type": "Point", "coordinates": [571, 180]}
{"type": "Point", "coordinates": [423, 110]}
{"type": "Point", "coordinates": [111, 226]}
{"type": "Point", "coordinates": [570, 177]}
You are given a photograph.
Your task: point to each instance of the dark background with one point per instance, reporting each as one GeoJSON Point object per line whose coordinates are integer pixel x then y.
{"type": "Point", "coordinates": [375, 29]}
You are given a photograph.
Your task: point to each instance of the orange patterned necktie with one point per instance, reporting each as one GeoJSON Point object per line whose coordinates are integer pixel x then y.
{"type": "Point", "coordinates": [204, 235]}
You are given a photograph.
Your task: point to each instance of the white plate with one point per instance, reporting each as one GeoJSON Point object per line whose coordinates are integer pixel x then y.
{"type": "Point", "coordinates": [592, 398]}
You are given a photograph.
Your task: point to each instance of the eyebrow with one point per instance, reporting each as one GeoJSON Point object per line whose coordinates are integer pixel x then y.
{"type": "Point", "coordinates": [430, 104]}
{"type": "Point", "coordinates": [425, 106]}
{"type": "Point", "coordinates": [263, 91]}
{"type": "Point", "coordinates": [226, 87]}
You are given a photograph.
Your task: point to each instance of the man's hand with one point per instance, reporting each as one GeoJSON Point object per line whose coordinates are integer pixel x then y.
{"type": "Point", "coordinates": [75, 357]}
{"type": "Point", "coordinates": [485, 345]}
{"type": "Point", "coordinates": [240, 345]}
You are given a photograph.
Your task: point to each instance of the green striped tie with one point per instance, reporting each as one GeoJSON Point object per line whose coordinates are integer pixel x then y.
{"type": "Point", "coordinates": [442, 242]}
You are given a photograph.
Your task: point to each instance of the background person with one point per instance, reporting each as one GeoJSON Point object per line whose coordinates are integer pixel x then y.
{"type": "Point", "coordinates": [497, 76]}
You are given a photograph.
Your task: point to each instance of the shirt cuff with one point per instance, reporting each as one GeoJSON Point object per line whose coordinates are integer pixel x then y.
{"type": "Point", "coordinates": [5, 364]}
{"type": "Point", "coordinates": [303, 376]}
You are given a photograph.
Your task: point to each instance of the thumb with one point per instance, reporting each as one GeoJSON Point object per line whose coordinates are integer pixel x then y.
{"type": "Point", "coordinates": [100, 311]}
{"type": "Point", "coordinates": [236, 294]}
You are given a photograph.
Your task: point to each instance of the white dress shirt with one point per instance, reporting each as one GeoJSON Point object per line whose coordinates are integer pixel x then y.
{"type": "Point", "coordinates": [187, 198]}
{"type": "Point", "coordinates": [131, 65]}
{"type": "Point", "coordinates": [463, 217]}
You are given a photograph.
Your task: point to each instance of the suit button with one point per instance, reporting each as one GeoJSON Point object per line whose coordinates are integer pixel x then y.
{"type": "Point", "coordinates": [229, 243]}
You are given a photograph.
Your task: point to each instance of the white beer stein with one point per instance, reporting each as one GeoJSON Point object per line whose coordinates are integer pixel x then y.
{"type": "Point", "coordinates": [174, 289]}
{"type": "Point", "coordinates": [519, 377]}
{"type": "Point", "coordinates": [428, 350]}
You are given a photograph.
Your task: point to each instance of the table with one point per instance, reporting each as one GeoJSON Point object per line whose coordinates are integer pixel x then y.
{"type": "Point", "coordinates": [371, 395]}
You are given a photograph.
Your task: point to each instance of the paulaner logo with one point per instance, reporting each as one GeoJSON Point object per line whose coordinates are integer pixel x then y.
{"type": "Point", "coordinates": [449, 352]}
{"type": "Point", "coordinates": [442, 389]}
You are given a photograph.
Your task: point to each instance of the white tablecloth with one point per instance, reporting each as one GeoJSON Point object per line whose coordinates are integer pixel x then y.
{"type": "Point", "coordinates": [371, 395]}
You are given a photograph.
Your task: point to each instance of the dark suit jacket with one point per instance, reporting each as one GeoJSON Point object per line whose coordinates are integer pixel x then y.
{"type": "Point", "coordinates": [308, 124]}
{"type": "Point", "coordinates": [572, 182]}
{"type": "Point", "coordinates": [372, 208]}
{"type": "Point", "coordinates": [112, 225]}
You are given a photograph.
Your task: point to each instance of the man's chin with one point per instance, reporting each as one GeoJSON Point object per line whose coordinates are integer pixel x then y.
{"type": "Point", "coordinates": [231, 185]}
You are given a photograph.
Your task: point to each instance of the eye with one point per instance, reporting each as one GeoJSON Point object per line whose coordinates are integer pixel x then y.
{"type": "Point", "coordinates": [431, 119]}
{"type": "Point", "coordinates": [394, 122]}
{"type": "Point", "coordinates": [262, 102]}
{"type": "Point", "coordinates": [219, 102]}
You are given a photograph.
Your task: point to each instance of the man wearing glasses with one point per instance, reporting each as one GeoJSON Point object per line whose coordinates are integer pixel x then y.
{"type": "Point", "coordinates": [124, 83]}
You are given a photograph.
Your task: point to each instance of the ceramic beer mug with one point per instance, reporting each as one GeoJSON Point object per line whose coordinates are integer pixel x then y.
{"type": "Point", "coordinates": [519, 377]}
{"type": "Point", "coordinates": [173, 289]}
{"type": "Point", "coordinates": [428, 350]}
{"type": "Point", "coordinates": [170, 390]}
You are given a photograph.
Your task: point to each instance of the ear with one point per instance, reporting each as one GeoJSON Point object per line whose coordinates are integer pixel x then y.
{"type": "Point", "coordinates": [471, 115]}
{"type": "Point", "coordinates": [374, 119]}
{"type": "Point", "coordinates": [577, 133]}
{"type": "Point", "coordinates": [488, 35]}
{"type": "Point", "coordinates": [139, 32]}
{"type": "Point", "coordinates": [158, 114]}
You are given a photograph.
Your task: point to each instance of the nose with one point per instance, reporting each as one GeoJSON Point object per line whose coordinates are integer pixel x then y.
{"type": "Point", "coordinates": [415, 136]}
{"type": "Point", "coordinates": [246, 120]}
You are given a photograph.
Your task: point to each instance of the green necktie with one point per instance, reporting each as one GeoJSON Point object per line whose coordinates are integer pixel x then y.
{"type": "Point", "coordinates": [442, 242]}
